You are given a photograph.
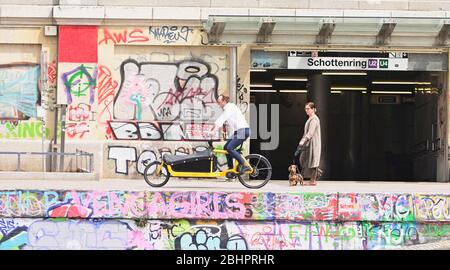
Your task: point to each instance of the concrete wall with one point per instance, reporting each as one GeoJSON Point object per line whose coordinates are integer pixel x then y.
{"type": "Point", "coordinates": [302, 4]}
{"type": "Point", "coordinates": [220, 220]}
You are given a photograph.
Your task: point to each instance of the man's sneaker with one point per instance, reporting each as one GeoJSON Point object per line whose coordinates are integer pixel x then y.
{"type": "Point", "coordinates": [244, 169]}
{"type": "Point", "coordinates": [230, 176]}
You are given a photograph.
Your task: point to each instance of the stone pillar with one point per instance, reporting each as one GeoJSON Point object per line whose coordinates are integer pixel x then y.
{"type": "Point", "coordinates": [353, 158]}
{"type": "Point", "coordinates": [319, 92]}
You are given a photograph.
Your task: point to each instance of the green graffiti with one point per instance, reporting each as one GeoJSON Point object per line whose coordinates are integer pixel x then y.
{"type": "Point", "coordinates": [25, 130]}
{"type": "Point", "coordinates": [327, 231]}
{"type": "Point", "coordinates": [293, 230]}
{"type": "Point", "coordinates": [11, 129]}
{"type": "Point", "coordinates": [180, 227]}
{"type": "Point", "coordinates": [436, 230]}
{"type": "Point", "coordinates": [396, 233]}
{"type": "Point", "coordinates": [137, 100]}
{"type": "Point", "coordinates": [347, 233]}
{"type": "Point", "coordinates": [82, 84]}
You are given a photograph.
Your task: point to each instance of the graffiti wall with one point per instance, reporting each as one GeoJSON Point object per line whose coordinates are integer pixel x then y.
{"type": "Point", "coordinates": [33, 219]}
{"type": "Point", "coordinates": [185, 234]}
{"type": "Point", "coordinates": [138, 88]}
{"type": "Point", "coordinates": [142, 85]}
{"type": "Point", "coordinates": [129, 158]}
{"type": "Point", "coordinates": [77, 81]}
{"type": "Point", "coordinates": [168, 85]}
{"type": "Point", "coordinates": [154, 99]}
{"type": "Point", "coordinates": [22, 95]}
{"type": "Point", "coordinates": [319, 206]}
{"type": "Point", "coordinates": [119, 79]}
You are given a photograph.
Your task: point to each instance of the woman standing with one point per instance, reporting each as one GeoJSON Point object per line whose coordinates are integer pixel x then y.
{"type": "Point", "coordinates": [311, 145]}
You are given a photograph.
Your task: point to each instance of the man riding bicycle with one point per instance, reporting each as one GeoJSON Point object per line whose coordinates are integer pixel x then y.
{"type": "Point", "coordinates": [236, 121]}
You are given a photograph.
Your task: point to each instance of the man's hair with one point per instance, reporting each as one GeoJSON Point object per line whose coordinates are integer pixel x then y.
{"type": "Point", "coordinates": [225, 98]}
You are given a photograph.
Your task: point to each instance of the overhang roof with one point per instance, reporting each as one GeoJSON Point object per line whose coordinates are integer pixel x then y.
{"type": "Point", "coordinates": [317, 30]}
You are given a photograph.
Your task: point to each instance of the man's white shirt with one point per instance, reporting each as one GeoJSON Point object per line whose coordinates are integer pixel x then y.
{"type": "Point", "coordinates": [233, 116]}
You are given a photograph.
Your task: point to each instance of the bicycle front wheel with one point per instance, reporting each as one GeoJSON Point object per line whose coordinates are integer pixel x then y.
{"type": "Point", "coordinates": [156, 174]}
{"type": "Point", "coordinates": [262, 171]}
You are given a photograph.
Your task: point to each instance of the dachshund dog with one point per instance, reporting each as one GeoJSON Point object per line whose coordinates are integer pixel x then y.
{"type": "Point", "coordinates": [294, 176]}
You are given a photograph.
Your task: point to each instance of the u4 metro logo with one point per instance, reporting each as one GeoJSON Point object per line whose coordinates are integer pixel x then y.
{"type": "Point", "coordinates": [384, 63]}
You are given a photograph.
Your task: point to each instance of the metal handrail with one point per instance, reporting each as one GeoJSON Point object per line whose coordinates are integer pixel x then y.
{"type": "Point", "coordinates": [89, 165]}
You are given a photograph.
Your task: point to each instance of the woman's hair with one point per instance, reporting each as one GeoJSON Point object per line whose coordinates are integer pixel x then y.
{"type": "Point", "coordinates": [311, 105]}
{"type": "Point", "coordinates": [225, 98]}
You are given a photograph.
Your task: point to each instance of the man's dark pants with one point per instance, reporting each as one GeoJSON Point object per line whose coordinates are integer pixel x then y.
{"type": "Point", "coordinates": [239, 136]}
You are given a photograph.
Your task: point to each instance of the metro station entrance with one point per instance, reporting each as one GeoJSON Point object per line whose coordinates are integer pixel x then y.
{"type": "Point", "coordinates": [376, 124]}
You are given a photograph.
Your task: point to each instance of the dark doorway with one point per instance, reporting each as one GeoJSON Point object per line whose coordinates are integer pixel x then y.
{"type": "Point", "coordinates": [381, 133]}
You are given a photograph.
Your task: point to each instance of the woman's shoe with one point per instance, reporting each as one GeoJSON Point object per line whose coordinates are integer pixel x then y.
{"type": "Point", "coordinates": [316, 175]}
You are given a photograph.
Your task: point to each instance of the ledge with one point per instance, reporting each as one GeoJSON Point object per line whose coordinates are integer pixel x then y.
{"type": "Point", "coordinates": [56, 176]}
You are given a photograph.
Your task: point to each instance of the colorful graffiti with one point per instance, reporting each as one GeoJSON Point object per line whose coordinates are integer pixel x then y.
{"type": "Point", "coordinates": [199, 205]}
{"type": "Point", "coordinates": [80, 82]}
{"type": "Point", "coordinates": [22, 130]}
{"type": "Point", "coordinates": [51, 73]}
{"type": "Point", "coordinates": [165, 131]}
{"type": "Point", "coordinates": [76, 234]}
{"type": "Point", "coordinates": [202, 240]}
{"type": "Point", "coordinates": [106, 89]}
{"type": "Point", "coordinates": [12, 236]}
{"type": "Point", "coordinates": [78, 119]}
{"type": "Point", "coordinates": [118, 204]}
{"type": "Point", "coordinates": [81, 204]}
{"type": "Point", "coordinates": [307, 206]}
{"type": "Point", "coordinates": [70, 210]}
{"type": "Point", "coordinates": [184, 91]}
{"type": "Point", "coordinates": [432, 207]}
{"type": "Point", "coordinates": [380, 235]}
{"type": "Point", "coordinates": [49, 94]}
{"type": "Point", "coordinates": [166, 34]}
{"type": "Point", "coordinates": [205, 205]}
{"type": "Point", "coordinates": [33, 219]}
{"type": "Point", "coordinates": [179, 88]}
{"type": "Point", "coordinates": [376, 207]}
{"type": "Point", "coordinates": [18, 91]}
{"type": "Point", "coordinates": [79, 91]}
{"type": "Point", "coordinates": [182, 234]}
{"type": "Point", "coordinates": [135, 35]}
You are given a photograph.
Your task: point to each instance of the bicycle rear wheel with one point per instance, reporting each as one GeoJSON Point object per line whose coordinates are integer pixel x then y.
{"type": "Point", "coordinates": [156, 175]}
{"type": "Point", "coordinates": [262, 171]}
